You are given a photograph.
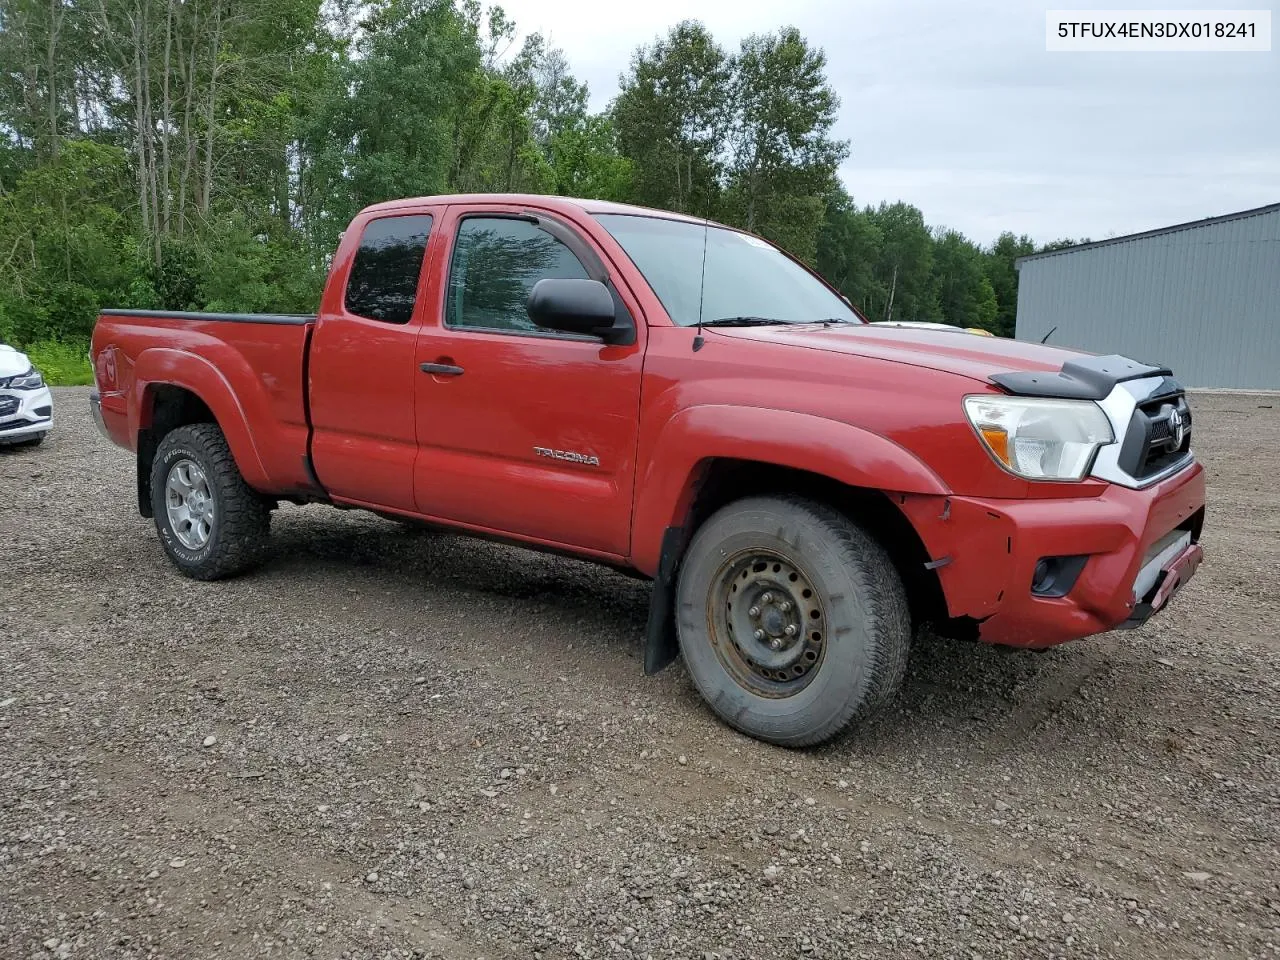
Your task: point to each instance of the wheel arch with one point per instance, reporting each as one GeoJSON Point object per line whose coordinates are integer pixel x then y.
{"type": "Point", "coordinates": [718, 481]}
{"type": "Point", "coordinates": [685, 453]}
{"type": "Point", "coordinates": [726, 480]}
{"type": "Point", "coordinates": [188, 389]}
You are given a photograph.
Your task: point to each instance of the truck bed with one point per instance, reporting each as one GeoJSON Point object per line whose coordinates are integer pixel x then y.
{"type": "Point", "coordinates": [248, 368]}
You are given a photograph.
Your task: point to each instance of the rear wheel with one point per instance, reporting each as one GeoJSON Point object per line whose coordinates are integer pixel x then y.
{"type": "Point", "coordinates": [211, 524]}
{"type": "Point", "coordinates": [792, 620]}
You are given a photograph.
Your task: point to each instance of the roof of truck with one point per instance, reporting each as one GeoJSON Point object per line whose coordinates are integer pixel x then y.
{"type": "Point", "coordinates": [538, 200]}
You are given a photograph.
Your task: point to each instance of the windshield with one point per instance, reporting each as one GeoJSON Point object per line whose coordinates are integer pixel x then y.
{"type": "Point", "coordinates": [745, 276]}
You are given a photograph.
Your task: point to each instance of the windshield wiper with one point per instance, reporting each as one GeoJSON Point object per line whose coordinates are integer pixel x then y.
{"type": "Point", "coordinates": [744, 322]}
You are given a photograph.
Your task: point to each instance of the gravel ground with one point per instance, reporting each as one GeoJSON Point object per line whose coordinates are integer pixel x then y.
{"type": "Point", "coordinates": [400, 744]}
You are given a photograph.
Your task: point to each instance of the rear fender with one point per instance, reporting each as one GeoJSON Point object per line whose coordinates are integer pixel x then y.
{"type": "Point", "coordinates": [169, 367]}
{"type": "Point", "coordinates": [669, 477]}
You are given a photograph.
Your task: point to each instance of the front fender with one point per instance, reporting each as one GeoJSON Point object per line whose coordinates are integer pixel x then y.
{"type": "Point", "coordinates": [171, 367]}
{"type": "Point", "coordinates": [841, 451]}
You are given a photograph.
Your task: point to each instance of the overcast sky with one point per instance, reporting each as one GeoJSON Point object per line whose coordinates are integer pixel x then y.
{"type": "Point", "coordinates": [955, 106]}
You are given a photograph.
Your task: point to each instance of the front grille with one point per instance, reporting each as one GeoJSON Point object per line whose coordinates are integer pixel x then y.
{"type": "Point", "coordinates": [1159, 436]}
{"type": "Point", "coordinates": [9, 406]}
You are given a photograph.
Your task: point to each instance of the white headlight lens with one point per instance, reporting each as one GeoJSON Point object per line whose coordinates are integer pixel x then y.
{"type": "Point", "coordinates": [1037, 438]}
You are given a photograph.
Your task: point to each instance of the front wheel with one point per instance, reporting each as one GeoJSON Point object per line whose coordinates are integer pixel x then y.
{"type": "Point", "coordinates": [792, 620]}
{"type": "Point", "coordinates": [211, 523]}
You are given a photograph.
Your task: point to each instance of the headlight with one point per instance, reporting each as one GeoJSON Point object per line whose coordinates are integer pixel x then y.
{"type": "Point", "coordinates": [31, 380]}
{"type": "Point", "coordinates": [1040, 439]}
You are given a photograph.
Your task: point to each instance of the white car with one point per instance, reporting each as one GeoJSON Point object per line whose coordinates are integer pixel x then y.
{"type": "Point", "coordinates": [26, 405]}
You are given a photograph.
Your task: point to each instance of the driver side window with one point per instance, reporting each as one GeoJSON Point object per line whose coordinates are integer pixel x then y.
{"type": "Point", "coordinates": [496, 261]}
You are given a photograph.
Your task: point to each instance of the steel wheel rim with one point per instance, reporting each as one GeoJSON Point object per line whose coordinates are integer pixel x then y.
{"type": "Point", "coordinates": [768, 623]}
{"type": "Point", "coordinates": [189, 504]}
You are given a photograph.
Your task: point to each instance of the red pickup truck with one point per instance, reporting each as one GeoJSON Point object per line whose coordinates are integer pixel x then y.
{"type": "Point", "coordinates": [684, 401]}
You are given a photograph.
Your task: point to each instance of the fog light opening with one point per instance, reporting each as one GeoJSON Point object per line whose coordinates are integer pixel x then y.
{"type": "Point", "coordinates": [1041, 577]}
{"type": "Point", "coordinates": [1055, 576]}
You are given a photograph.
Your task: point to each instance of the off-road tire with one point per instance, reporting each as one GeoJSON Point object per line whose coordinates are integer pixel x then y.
{"type": "Point", "coordinates": [867, 621]}
{"type": "Point", "coordinates": [238, 539]}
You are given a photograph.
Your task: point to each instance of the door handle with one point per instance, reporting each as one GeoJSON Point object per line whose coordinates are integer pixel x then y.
{"type": "Point", "coordinates": [441, 369]}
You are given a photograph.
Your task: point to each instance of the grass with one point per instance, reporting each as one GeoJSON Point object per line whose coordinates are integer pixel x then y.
{"type": "Point", "coordinates": [64, 364]}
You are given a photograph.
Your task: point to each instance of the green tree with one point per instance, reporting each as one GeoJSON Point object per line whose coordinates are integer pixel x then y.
{"type": "Point", "coordinates": [966, 297]}
{"type": "Point", "coordinates": [904, 267]}
{"type": "Point", "coordinates": [784, 158]}
{"type": "Point", "coordinates": [585, 162]}
{"type": "Point", "coordinates": [394, 120]}
{"type": "Point", "coordinates": [207, 153]}
{"type": "Point", "coordinates": [67, 244]}
{"type": "Point", "coordinates": [1062, 244]}
{"type": "Point", "coordinates": [672, 116]}
{"type": "Point", "coordinates": [560, 101]}
{"type": "Point", "coordinates": [849, 243]}
{"type": "Point", "coordinates": [1003, 277]}
{"type": "Point", "coordinates": [39, 81]}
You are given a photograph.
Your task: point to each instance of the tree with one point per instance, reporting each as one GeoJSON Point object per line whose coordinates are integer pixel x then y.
{"type": "Point", "coordinates": [1062, 244]}
{"type": "Point", "coordinates": [848, 250]}
{"type": "Point", "coordinates": [784, 159]}
{"type": "Point", "coordinates": [585, 162]}
{"type": "Point", "coordinates": [67, 246]}
{"type": "Point", "coordinates": [672, 116]}
{"type": "Point", "coordinates": [904, 267]}
{"type": "Point", "coordinates": [207, 153]}
{"type": "Point", "coordinates": [1003, 277]}
{"type": "Point", "coordinates": [580, 148]}
{"type": "Point", "coordinates": [560, 101]}
{"type": "Point", "coordinates": [966, 297]}
{"type": "Point", "coordinates": [394, 125]}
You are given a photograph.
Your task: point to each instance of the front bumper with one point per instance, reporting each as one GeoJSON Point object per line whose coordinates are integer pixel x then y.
{"type": "Point", "coordinates": [986, 551]}
{"type": "Point", "coordinates": [25, 414]}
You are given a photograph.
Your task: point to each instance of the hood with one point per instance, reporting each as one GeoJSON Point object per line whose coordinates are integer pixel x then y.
{"type": "Point", "coordinates": [12, 362]}
{"type": "Point", "coordinates": [950, 350]}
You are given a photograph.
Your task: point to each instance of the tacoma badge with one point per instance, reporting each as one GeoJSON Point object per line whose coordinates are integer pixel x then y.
{"type": "Point", "coordinates": [570, 455]}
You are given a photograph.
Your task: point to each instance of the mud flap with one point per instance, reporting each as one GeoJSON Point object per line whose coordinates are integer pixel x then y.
{"type": "Point", "coordinates": [146, 453]}
{"type": "Point", "coordinates": [661, 644]}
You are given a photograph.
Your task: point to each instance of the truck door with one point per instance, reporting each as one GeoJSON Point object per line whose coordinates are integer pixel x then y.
{"type": "Point", "coordinates": [361, 367]}
{"type": "Point", "coordinates": [523, 431]}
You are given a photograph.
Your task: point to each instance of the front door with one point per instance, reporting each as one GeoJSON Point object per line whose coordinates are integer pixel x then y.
{"type": "Point", "coordinates": [523, 431]}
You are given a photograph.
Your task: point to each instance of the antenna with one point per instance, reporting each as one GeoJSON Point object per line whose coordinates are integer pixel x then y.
{"type": "Point", "coordinates": [702, 285]}
{"type": "Point", "coordinates": [1046, 337]}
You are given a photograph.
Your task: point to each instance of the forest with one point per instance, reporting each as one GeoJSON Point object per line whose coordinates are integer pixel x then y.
{"type": "Point", "coordinates": [205, 154]}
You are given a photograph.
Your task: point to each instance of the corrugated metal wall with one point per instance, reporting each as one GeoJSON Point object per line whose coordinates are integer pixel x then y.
{"type": "Point", "coordinates": [1204, 300]}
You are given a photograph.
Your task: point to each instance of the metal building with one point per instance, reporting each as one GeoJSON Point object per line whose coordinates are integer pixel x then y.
{"type": "Point", "coordinates": [1201, 297]}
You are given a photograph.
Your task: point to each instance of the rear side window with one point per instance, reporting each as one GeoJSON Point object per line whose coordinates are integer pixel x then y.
{"type": "Point", "coordinates": [496, 262]}
{"type": "Point", "coordinates": [384, 277]}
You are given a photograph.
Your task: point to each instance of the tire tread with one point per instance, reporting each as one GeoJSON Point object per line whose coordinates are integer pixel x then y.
{"type": "Point", "coordinates": [885, 605]}
{"type": "Point", "coordinates": [887, 602]}
{"type": "Point", "coordinates": [244, 517]}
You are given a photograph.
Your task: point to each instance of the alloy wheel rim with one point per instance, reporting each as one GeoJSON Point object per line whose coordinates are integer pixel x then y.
{"type": "Point", "coordinates": [189, 504]}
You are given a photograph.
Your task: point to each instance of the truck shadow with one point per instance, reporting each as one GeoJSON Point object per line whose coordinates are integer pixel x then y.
{"type": "Point", "coordinates": [982, 698]}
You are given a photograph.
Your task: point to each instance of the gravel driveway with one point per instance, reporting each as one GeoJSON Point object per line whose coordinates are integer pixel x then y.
{"type": "Point", "coordinates": [389, 743]}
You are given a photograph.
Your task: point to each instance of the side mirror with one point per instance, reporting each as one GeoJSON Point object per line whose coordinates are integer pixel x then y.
{"type": "Point", "coordinates": [578, 306]}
